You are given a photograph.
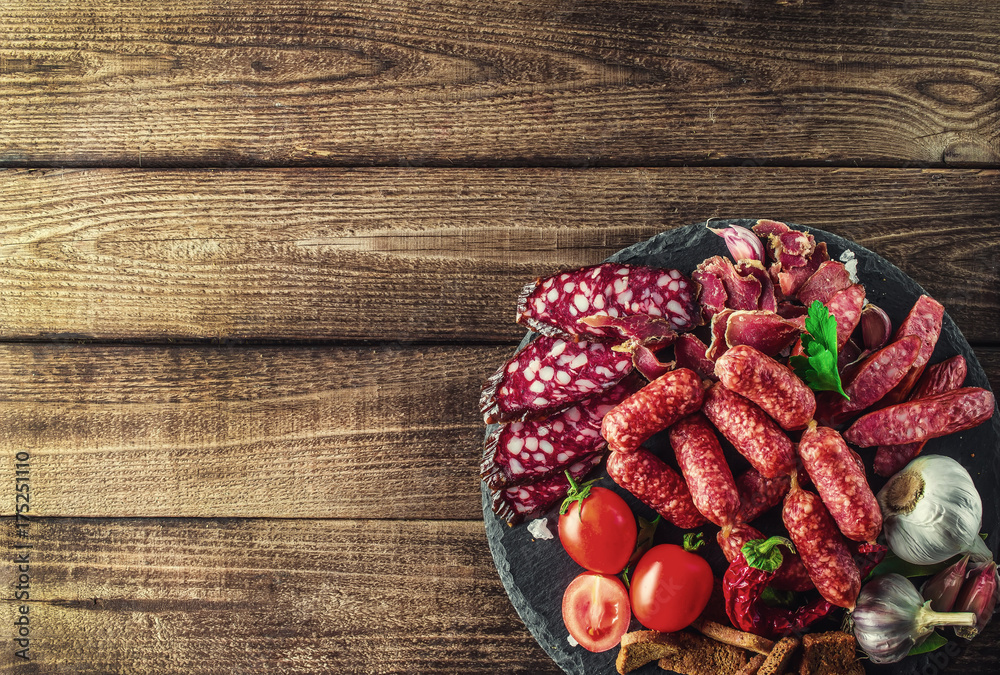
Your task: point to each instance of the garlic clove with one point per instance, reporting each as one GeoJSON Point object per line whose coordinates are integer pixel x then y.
{"type": "Point", "coordinates": [942, 589]}
{"type": "Point", "coordinates": [742, 243]}
{"type": "Point", "coordinates": [979, 596]}
{"type": "Point", "coordinates": [876, 327]}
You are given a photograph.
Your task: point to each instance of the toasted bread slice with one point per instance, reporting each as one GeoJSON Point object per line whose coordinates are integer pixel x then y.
{"type": "Point", "coordinates": [731, 636]}
{"type": "Point", "coordinates": [644, 646]}
{"type": "Point", "coordinates": [777, 661]}
{"type": "Point", "coordinates": [699, 655]}
{"type": "Point", "coordinates": [831, 653]}
{"type": "Point", "coordinates": [753, 665]}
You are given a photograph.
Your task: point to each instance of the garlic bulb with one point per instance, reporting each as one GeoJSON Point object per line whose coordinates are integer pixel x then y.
{"type": "Point", "coordinates": [890, 618]}
{"type": "Point", "coordinates": [932, 511]}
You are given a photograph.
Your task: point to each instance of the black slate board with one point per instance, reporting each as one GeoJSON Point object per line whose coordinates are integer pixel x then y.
{"type": "Point", "coordinates": [535, 573]}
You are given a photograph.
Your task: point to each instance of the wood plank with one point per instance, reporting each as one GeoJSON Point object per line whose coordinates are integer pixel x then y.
{"type": "Point", "coordinates": [221, 596]}
{"type": "Point", "coordinates": [481, 82]}
{"type": "Point", "coordinates": [214, 596]}
{"type": "Point", "coordinates": [118, 431]}
{"type": "Point", "coordinates": [385, 432]}
{"type": "Point", "coordinates": [426, 254]}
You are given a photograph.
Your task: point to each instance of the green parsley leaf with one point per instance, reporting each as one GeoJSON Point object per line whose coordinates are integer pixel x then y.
{"type": "Point", "coordinates": [933, 641]}
{"type": "Point", "coordinates": [693, 541]}
{"type": "Point", "coordinates": [818, 369]}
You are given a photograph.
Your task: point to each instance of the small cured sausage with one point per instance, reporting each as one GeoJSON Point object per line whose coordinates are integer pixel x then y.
{"type": "Point", "coordinates": [555, 305]}
{"type": "Point", "coordinates": [750, 431]}
{"type": "Point", "coordinates": [841, 483]}
{"type": "Point", "coordinates": [759, 494]}
{"type": "Point", "coordinates": [871, 380]}
{"type": "Point", "coordinates": [846, 306]}
{"type": "Point", "coordinates": [651, 409]}
{"type": "Point", "coordinates": [656, 485]}
{"type": "Point", "coordinates": [937, 379]}
{"type": "Point", "coordinates": [923, 419]}
{"type": "Point", "coordinates": [704, 467]}
{"type": "Point", "coordinates": [821, 547]}
{"type": "Point", "coordinates": [771, 385]}
{"type": "Point", "coordinates": [526, 452]}
{"type": "Point", "coordinates": [548, 375]}
{"type": "Point", "coordinates": [791, 576]}
{"type": "Point", "coordinates": [514, 504]}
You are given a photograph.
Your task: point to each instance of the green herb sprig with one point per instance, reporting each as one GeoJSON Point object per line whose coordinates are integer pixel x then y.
{"type": "Point", "coordinates": [818, 369]}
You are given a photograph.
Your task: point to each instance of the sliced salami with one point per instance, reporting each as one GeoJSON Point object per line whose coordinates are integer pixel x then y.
{"type": "Point", "coordinates": [549, 374]}
{"type": "Point", "coordinates": [821, 547]}
{"type": "Point", "coordinates": [515, 504]}
{"type": "Point", "coordinates": [656, 485]}
{"type": "Point", "coordinates": [742, 290]}
{"type": "Point", "coordinates": [924, 321]}
{"type": "Point", "coordinates": [529, 451]}
{"type": "Point", "coordinates": [703, 465]}
{"type": "Point", "coordinates": [937, 379]}
{"type": "Point", "coordinates": [765, 331]}
{"type": "Point", "coordinates": [846, 307]}
{"type": "Point", "coordinates": [771, 385]}
{"type": "Point", "coordinates": [923, 419]}
{"type": "Point", "coordinates": [651, 409]}
{"type": "Point", "coordinates": [872, 379]}
{"type": "Point", "coordinates": [555, 305]}
{"type": "Point", "coordinates": [750, 430]}
{"type": "Point", "coordinates": [840, 480]}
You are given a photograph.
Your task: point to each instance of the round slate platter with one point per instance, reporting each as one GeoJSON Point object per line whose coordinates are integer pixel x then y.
{"type": "Point", "coordinates": [536, 572]}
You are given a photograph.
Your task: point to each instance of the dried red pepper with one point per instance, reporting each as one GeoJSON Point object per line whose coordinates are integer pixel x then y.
{"type": "Point", "coordinates": [744, 584]}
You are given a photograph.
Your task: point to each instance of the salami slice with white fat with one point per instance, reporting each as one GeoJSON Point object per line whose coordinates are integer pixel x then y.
{"type": "Point", "coordinates": [656, 485]}
{"type": "Point", "coordinates": [515, 504]}
{"type": "Point", "coordinates": [555, 305]}
{"type": "Point", "coordinates": [549, 374]}
{"type": "Point", "coordinates": [924, 418]}
{"type": "Point", "coordinates": [526, 452]}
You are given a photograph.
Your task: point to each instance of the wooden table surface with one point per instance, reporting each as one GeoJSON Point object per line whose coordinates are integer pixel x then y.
{"type": "Point", "coordinates": [257, 258]}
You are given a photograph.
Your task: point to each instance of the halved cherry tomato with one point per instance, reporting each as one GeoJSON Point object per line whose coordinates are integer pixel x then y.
{"type": "Point", "coordinates": [598, 529]}
{"type": "Point", "coordinates": [670, 588]}
{"type": "Point", "coordinates": [596, 612]}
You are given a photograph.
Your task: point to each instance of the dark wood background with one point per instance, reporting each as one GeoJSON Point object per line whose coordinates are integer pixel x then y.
{"type": "Point", "coordinates": [256, 259]}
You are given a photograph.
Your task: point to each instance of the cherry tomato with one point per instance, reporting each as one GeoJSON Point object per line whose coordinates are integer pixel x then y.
{"type": "Point", "coordinates": [596, 612]}
{"type": "Point", "coordinates": [598, 530]}
{"type": "Point", "coordinates": [670, 588]}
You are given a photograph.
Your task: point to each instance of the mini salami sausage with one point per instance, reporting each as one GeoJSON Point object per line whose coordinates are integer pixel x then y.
{"type": "Point", "coordinates": [771, 385]}
{"type": "Point", "coordinates": [526, 452]}
{"type": "Point", "coordinates": [514, 504]}
{"type": "Point", "coordinates": [841, 483]}
{"type": "Point", "coordinates": [759, 494]}
{"type": "Point", "coordinates": [874, 378]}
{"type": "Point", "coordinates": [750, 431]}
{"type": "Point", "coordinates": [937, 379]}
{"type": "Point", "coordinates": [548, 375]}
{"type": "Point", "coordinates": [651, 409]}
{"type": "Point", "coordinates": [924, 418]}
{"type": "Point", "coordinates": [555, 305]}
{"type": "Point", "coordinates": [821, 547]}
{"type": "Point", "coordinates": [656, 485]}
{"type": "Point", "coordinates": [704, 468]}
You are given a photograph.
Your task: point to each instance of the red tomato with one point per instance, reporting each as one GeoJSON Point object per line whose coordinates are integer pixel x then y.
{"type": "Point", "coordinates": [670, 588]}
{"type": "Point", "coordinates": [599, 532]}
{"type": "Point", "coordinates": [596, 611]}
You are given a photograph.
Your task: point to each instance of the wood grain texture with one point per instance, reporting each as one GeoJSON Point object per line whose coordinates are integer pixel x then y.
{"type": "Point", "coordinates": [485, 82]}
{"type": "Point", "coordinates": [206, 597]}
{"type": "Point", "coordinates": [438, 255]}
{"type": "Point", "coordinates": [119, 431]}
{"type": "Point", "coordinates": [386, 432]}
